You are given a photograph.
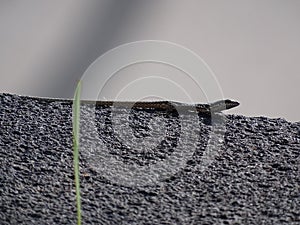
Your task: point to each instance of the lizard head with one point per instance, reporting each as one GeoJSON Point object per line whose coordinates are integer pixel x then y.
{"type": "Point", "coordinates": [231, 104]}
{"type": "Point", "coordinates": [222, 105]}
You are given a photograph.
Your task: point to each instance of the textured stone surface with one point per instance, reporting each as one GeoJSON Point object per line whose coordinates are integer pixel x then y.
{"type": "Point", "coordinates": [255, 178]}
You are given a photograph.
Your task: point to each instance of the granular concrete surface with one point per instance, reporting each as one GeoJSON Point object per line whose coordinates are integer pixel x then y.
{"type": "Point", "coordinates": [145, 167]}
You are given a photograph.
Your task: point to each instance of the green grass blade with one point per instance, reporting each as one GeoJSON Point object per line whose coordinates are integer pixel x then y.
{"type": "Point", "coordinates": [76, 123]}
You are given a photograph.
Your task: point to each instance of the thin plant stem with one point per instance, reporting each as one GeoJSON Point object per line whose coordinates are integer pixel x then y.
{"type": "Point", "coordinates": [76, 123]}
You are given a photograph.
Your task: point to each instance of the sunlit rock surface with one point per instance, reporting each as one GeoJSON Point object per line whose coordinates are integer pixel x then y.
{"type": "Point", "coordinates": [145, 167]}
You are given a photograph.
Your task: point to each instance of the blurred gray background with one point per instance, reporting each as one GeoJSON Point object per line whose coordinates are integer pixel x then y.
{"type": "Point", "coordinates": [252, 46]}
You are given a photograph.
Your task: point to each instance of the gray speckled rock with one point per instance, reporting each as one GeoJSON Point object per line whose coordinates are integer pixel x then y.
{"type": "Point", "coordinates": [255, 178]}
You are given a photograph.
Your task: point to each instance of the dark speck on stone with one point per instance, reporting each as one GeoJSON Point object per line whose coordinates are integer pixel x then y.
{"type": "Point", "coordinates": [254, 179]}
